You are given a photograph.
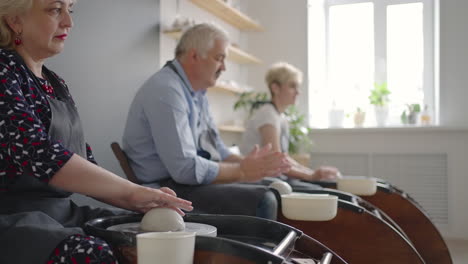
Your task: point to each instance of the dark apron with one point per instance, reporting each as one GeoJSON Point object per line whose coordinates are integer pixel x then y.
{"type": "Point", "coordinates": [232, 198]}
{"type": "Point", "coordinates": [34, 216]}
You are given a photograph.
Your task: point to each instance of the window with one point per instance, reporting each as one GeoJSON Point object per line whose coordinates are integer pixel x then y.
{"type": "Point", "coordinates": [356, 44]}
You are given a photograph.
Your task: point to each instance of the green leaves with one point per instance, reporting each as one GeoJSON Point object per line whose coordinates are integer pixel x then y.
{"type": "Point", "coordinates": [299, 139]}
{"type": "Point", "coordinates": [415, 108]}
{"type": "Point", "coordinates": [379, 95]}
{"type": "Point", "coordinates": [251, 101]}
{"type": "Point", "coordinates": [408, 116]}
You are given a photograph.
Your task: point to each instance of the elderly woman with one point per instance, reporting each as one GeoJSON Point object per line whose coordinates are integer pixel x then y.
{"type": "Point", "coordinates": [269, 125]}
{"type": "Point", "coordinates": [43, 156]}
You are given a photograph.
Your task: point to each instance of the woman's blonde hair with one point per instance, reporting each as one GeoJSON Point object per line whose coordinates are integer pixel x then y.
{"type": "Point", "coordinates": [200, 37]}
{"type": "Point", "coordinates": [281, 73]}
{"type": "Point", "coordinates": [10, 8]}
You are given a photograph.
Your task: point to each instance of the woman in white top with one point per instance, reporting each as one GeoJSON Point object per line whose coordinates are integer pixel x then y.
{"type": "Point", "coordinates": [269, 125]}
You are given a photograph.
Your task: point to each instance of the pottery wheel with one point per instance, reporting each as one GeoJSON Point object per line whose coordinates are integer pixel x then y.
{"type": "Point", "coordinates": [199, 229]}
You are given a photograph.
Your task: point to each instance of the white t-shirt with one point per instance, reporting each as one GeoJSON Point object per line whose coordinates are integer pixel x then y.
{"type": "Point", "coordinates": [265, 115]}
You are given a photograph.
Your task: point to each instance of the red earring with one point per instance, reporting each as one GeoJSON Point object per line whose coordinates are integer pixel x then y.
{"type": "Point", "coordinates": [18, 40]}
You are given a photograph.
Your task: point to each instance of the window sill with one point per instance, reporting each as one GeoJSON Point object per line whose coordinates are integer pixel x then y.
{"type": "Point", "coordinates": [389, 129]}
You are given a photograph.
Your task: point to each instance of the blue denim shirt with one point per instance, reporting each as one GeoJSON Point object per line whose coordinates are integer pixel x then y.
{"type": "Point", "coordinates": [162, 130]}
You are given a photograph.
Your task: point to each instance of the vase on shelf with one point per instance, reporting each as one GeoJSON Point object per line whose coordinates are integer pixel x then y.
{"type": "Point", "coordinates": [381, 114]}
{"type": "Point", "coordinates": [336, 118]}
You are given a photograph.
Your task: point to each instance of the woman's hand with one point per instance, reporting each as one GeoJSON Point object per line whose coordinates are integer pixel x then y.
{"type": "Point", "coordinates": [144, 198]}
{"type": "Point", "coordinates": [81, 176]}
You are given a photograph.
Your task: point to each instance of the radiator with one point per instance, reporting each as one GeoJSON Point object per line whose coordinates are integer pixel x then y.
{"type": "Point", "coordinates": [423, 176]}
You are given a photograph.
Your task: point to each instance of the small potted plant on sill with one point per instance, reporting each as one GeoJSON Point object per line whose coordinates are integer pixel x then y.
{"type": "Point", "coordinates": [411, 114]}
{"type": "Point", "coordinates": [359, 117]}
{"type": "Point", "coordinates": [379, 98]}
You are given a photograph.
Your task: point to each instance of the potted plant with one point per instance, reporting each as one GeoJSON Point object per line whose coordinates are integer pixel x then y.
{"type": "Point", "coordinates": [299, 140]}
{"type": "Point", "coordinates": [359, 117]}
{"type": "Point", "coordinates": [300, 143]}
{"type": "Point", "coordinates": [411, 114]}
{"type": "Point", "coordinates": [379, 98]}
{"type": "Point", "coordinates": [251, 101]}
{"type": "Point", "coordinates": [248, 102]}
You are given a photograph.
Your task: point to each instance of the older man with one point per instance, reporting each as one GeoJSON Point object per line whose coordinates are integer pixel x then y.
{"type": "Point", "coordinates": [171, 139]}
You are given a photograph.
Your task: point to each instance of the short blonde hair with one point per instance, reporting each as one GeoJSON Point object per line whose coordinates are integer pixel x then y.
{"type": "Point", "coordinates": [200, 37]}
{"type": "Point", "coordinates": [10, 8]}
{"type": "Point", "coordinates": [281, 73]}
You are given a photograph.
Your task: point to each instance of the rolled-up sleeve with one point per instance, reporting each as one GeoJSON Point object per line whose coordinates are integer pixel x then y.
{"type": "Point", "coordinates": [167, 113]}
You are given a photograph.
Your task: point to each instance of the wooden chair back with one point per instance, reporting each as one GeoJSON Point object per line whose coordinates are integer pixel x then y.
{"type": "Point", "coordinates": [123, 160]}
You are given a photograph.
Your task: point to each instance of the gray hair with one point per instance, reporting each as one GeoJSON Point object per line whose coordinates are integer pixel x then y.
{"type": "Point", "coordinates": [10, 8]}
{"type": "Point", "coordinates": [281, 73]}
{"type": "Point", "coordinates": [200, 37]}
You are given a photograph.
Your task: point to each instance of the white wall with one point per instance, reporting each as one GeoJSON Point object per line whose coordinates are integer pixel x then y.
{"type": "Point", "coordinates": [453, 62]}
{"type": "Point", "coordinates": [285, 39]}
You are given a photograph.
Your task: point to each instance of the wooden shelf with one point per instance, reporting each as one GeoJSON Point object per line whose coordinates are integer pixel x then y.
{"type": "Point", "coordinates": [228, 14]}
{"type": "Point", "coordinates": [227, 88]}
{"type": "Point", "coordinates": [234, 54]}
{"type": "Point", "coordinates": [240, 56]}
{"type": "Point", "coordinates": [231, 128]}
{"type": "Point", "coordinates": [175, 34]}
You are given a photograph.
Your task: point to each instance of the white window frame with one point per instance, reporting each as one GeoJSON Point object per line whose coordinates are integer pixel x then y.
{"type": "Point", "coordinates": [430, 89]}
